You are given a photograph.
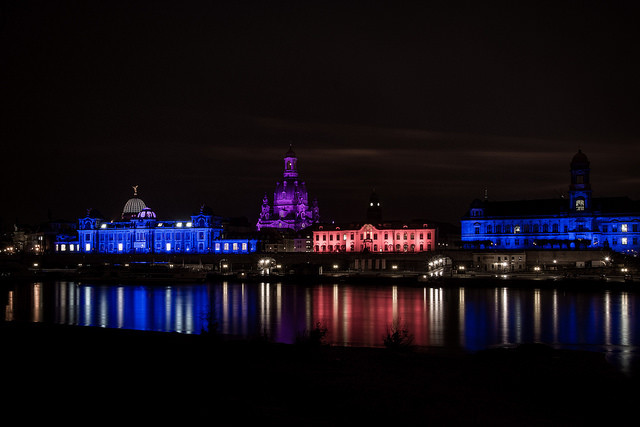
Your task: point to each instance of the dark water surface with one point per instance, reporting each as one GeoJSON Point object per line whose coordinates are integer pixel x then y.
{"type": "Point", "coordinates": [467, 319]}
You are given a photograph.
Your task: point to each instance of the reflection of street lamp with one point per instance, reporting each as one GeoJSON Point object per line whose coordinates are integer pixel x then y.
{"type": "Point", "coordinates": [265, 266]}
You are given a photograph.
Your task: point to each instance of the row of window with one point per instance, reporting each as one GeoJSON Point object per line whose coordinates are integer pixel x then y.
{"type": "Point", "coordinates": [373, 236]}
{"type": "Point", "coordinates": [141, 236]}
{"type": "Point", "coordinates": [535, 228]}
{"type": "Point", "coordinates": [168, 247]}
{"type": "Point", "coordinates": [624, 228]}
{"type": "Point", "coordinates": [526, 242]}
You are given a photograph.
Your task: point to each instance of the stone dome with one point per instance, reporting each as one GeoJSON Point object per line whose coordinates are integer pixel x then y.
{"type": "Point", "coordinates": [146, 213]}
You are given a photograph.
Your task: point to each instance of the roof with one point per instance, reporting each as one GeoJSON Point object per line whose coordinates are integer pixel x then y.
{"type": "Point", "coordinates": [133, 205]}
{"type": "Point", "coordinates": [549, 207]}
{"type": "Point", "coordinates": [385, 225]}
{"type": "Point", "coordinates": [290, 153]}
{"type": "Point", "coordinates": [580, 159]}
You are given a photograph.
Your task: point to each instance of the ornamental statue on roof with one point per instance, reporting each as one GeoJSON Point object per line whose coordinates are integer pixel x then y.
{"type": "Point", "coordinates": [291, 207]}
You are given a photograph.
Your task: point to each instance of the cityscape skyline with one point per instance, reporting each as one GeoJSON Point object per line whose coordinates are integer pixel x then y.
{"type": "Point", "coordinates": [427, 104]}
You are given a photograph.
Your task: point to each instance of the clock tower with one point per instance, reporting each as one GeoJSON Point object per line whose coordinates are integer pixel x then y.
{"type": "Point", "coordinates": [580, 188]}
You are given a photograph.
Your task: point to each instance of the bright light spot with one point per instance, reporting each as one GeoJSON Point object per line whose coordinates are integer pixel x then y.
{"type": "Point", "coordinates": [179, 224]}
{"type": "Point", "coordinates": [103, 226]}
{"type": "Point", "coordinates": [189, 224]}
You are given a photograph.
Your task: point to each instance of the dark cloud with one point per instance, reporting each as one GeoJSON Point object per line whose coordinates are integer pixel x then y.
{"type": "Point", "coordinates": [427, 102]}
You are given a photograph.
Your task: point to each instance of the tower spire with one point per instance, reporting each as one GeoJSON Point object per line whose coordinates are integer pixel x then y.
{"type": "Point", "coordinates": [290, 164]}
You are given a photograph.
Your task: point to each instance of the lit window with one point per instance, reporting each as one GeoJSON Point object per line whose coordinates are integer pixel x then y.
{"type": "Point", "coordinates": [71, 247]}
{"type": "Point", "coordinates": [226, 247]}
{"type": "Point", "coordinates": [580, 204]}
{"type": "Point", "coordinates": [87, 247]}
{"type": "Point", "coordinates": [235, 246]}
{"type": "Point", "coordinates": [516, 229]}
{"type": "Point", "coordinates": [63, 248]}
{"type": "Point", "coordinates": [623, 240]}
{"type": "Point", "coordinates": [120, 247]}
{"type": "Point", "coordinates": [103, 226]}
{"type": "Point", "coordinates": [168, 247]}
{"type": "Point", "coordinates": [624, 228]}
{"type": "Point", "coordinates": [189, 224]}
{"type": "Point", "coordinates": [179, 224]}
{"type": "Point", "coordinates": [244, 246]}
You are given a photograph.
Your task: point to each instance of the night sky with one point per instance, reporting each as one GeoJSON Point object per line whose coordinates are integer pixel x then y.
{"type": "Point", "coordinates": [197, 102]}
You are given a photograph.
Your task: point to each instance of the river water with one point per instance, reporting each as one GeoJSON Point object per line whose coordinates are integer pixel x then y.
{"type": "Point", "coordinates": [468, 319]}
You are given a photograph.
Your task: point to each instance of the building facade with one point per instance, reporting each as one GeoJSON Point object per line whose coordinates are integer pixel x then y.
{"type": "Point", "coordinates": [291, 207]}
{"type": "Point", "coordinates": [141, 232]}
{"type": "Point", "coordinates": [369, 238]}
{"type": "Point", "coordinates": [578, 221]}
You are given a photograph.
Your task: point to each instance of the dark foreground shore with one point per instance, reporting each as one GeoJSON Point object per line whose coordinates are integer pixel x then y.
{"type": "Point", "coordinates": [83, 375]}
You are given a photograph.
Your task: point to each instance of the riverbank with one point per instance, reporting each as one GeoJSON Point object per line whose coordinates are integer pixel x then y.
{"type": "Point", "coordinates": [523, 280]}
{"type": "Point", "coordinates": [88, 374]}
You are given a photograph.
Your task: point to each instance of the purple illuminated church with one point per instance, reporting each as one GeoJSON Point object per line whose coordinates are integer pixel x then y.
{"type": "Point", "coordinates": [291, 208]}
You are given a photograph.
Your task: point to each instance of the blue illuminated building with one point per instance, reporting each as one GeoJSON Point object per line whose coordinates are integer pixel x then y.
{"type": "Point", "coordinates": [578, 221]}
{"type": "Point", "coordinates": [141, 232]}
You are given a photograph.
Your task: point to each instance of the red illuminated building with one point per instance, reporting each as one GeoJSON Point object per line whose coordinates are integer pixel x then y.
{"type": "Point", "coordinates": [375, 235]}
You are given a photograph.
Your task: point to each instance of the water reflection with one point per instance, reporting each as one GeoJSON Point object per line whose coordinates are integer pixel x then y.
{"type": "Point", "coordinates": [470, 319]}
